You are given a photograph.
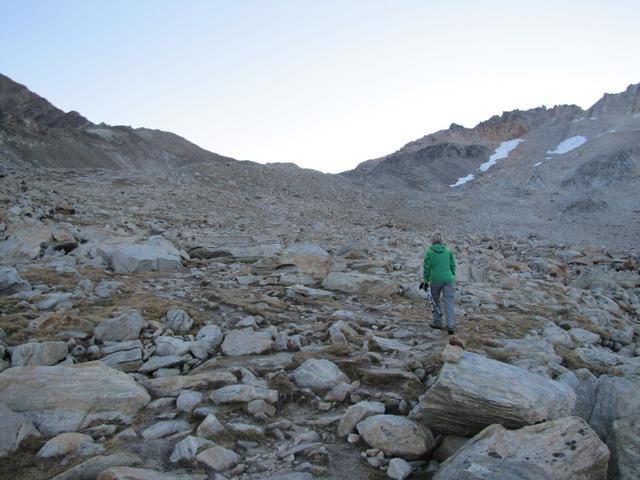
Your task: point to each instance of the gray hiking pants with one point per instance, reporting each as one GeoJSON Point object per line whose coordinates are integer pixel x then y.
{"type": "Point", "coordinates": [448, 291]}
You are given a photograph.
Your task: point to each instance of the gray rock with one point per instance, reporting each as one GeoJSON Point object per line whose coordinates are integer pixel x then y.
{"type": "Point", "coordinates": [450, 445]}
{"type": "Point", "coordinates": [390, 345]}
{"type": "Point", "coordinates": [318, 375]}
{"type": "Point", "coordinates": [171, 346]}
{"type": "Point", "coordinates": [90, 469]}
{"type": "Point", "coordinates": [302, 292]}
{"type": "Point", "coordinates": [174, 385]}
{"type": "Point", "coordinates": [178, 320]}
{"type": "Point", "coordinates": [125, 360]}
{"type": "Point", "coordinates": [187, 449]}
{"type": "Point", "coordinates": [14, 429]}
{"type": "Point", "coordinates": [398, 469]}
{"type": "Point", "coordinates": [155, 362]}
{"type": "Point", "coordinates": [557, 336]}
{"type": "Point", "coordinates": [125, 326]}
{"type": "Point", "coordinates": [396, 436]}
{"type": "Point", "coordinates": [563, 449]}
{"type": "Point", "coordinates": [188, 400]}
{"type": "Point", "coordinates": [165, 428]}
{"type": "Point", "coordinates": [211, 336]}
{"type": "Point", "coordinates": [129, 473]}
{"type": "Point", "coordinates": [106, 288]}
{"type": "Point", "coordinates": [358, 283]}
{"type": "Point", "coordinates": [64, 444]}
{"type": "Point", "coordinates": [210, 428]}
{"type": "Point", "coordinates": [45, 353]}
{"type": "Point", "coordinates": [111, 347]}
{"type": "Point", "coordinates": [356, 413]}
{"type": "Point", "coordinates": [141, 257]}
{"type": "Point", "coordinates": [246, 342]}
{"type": "Point", "coordinates": [243, 394]}
{"type": "Point", "coordinates": [477, 392]}
{"type": "Point", "coordinates": [11, 282]}
{"type": "Point", "coordinates": [219, 459]}
{"type": "Point", "coordinates": [305, 259]}
{"type": "Point", "coordinates": [67, 398]}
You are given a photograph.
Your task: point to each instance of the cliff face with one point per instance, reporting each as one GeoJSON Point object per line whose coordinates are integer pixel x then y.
{"type": "Point", "coordinates": [35, 133]}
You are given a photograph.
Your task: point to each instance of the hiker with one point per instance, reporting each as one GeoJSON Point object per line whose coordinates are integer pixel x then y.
{"type": "Point", "coordinates": [439, 273]}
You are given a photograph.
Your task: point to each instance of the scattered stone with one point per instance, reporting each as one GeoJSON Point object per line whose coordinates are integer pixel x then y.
{"type": "Point", "coordinates": [178, 320]}
{"type": "Point", "coordinates": [318, 375]}
{"type": "Point", "coordinates": [219, 459]}
{"type": "Point", "coordinates": [398, 469]}
{"type": "Point", "coordinates": [243, 394]}
{"type": "Point", "coordinates": [356, 413]}
{"type": "Point", "coordinates": [186, 450]}
{"type": "Point", "coordinates": [188, 400]}
{"type": "Point", "coordinates": [64, 444]}
{"type": "Point", "coordinates": [174, 385]}
{"type": "Point", "coordinates": [246, 342]}
{"type": "Point", "coordinates": [210, 428]}
{"type": "Point", "coordinates": [45, 353]}
{"type": "Point", "coordinates": [358, 283]}
{"type": "Point", "coordinates": [165, 428]}
{"type": "Point", "coordinates": [396, 436]}
{"type": "Point", "coordinates": [125, 326]}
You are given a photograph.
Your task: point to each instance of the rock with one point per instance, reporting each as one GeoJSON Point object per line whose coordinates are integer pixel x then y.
{"type": "Point", "coordinates": [106, 288]}
{"type": "Point", "coordinates": [210, 428]}
{"type": "Point", "coordinates": [302, 292]}
{"type": "Point", "coordinates": [125, 326]}
{"type": "Point", "coordinates": [584, 337]}
{"type": "Point", "coordinates": [211, 336]}
{"type": "Point", "coordinates": [171, 346]}
{"type": "Point", "coordinates": [24, 243]}
{"type": "Point", "coordinates": [246, 342]}
{"type": "Point", "coordinates": [243, 394]}
{"type": "Point", "coordinates": [154, 363]}
{"type": "Point", "coordinates": [398, 469]}
{"type": "Point", "coordinates": [358, 283]}
{"type": "Point", "coordinates": [45, 353]}
{"type": "Point", "coordinates": [563, 449]}
{"type": "Point", "coordinates": [356, 413]}
{"type": "Point", "coordinates": [452, 353]}
{"type": "Point", "coordinates": [11, 282]}
{"type": "Point", "coordinates": [173, 386]}
{"type": "Point", "coordinates": [390, 345]}
{"type": "Point", "coordinates": [64, 444]}
{"type": "Point", "coordinates": [557, 336]}
{"type": "Point", "coordinates": [303, 259]}
{"type": "Point", "coordinates": [165, 428]}
{"type": "Point", "coordinates": [255, 407]}
{"type": "Point", "coordinates": [188, 400]}
{"type": "Point", "coordinates": [129, 258]}
{"type": "Point", "coordinates": [67, 398]}
{"type": "Point", "coordinates": [396, 436]}
{"type": "Point", "coordinates": [178, 320]}
{"type": "Point", "coordinates": [450, 445]}
{"type": "Point", "coordinates": [187, 449]}
{"type": "Point", "coordinates": [477, 392]}
{"type": "Point", "coordinates": [318, 375]}
{"type": "Point", "coordinates": [219, 459]}
{"type": "Point", "coordinates": [129, 473]}
{"type": "Point", "coordinates": [14, 429]}
{"type": "Point", "coordinates": [125, 360]}
{"type": "Point", "coordinates": [90, 469]}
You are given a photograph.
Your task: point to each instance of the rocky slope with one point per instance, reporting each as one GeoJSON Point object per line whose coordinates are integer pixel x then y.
{"type": "Point", "coordinates": [35, 133]}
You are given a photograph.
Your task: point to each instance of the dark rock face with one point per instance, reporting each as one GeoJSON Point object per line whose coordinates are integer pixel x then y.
{"type": "Point", "coordinates": [605, 169]}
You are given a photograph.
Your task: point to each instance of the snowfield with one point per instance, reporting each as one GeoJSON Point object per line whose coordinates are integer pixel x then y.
{"type": "Point", "coordinates": [463, 180]}
{"type": "Point", "coordinates": [501, 152]}
{"type": "Point", "coordinates": [568, 145]}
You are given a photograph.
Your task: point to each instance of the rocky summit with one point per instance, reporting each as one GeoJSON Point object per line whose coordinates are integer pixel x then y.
{"type": "Point", "coordinates": [167, 313]}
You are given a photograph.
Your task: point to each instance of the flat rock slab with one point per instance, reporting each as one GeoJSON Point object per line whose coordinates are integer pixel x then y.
{"type": "Point", "coordinates": [130, 473]}
{"type": "Point", "coordinates": [358, 283]}
{"type": "Point", "coordinates": [246, 342]}
{"type": "Point", "coordinates": [173, 386]}
{"type": "Point", "coordinates": [90, 469]}
{"type": "Point", "coordinates": [44, 353]}
{"type": "Point", "coordinates": [67, 398]}
{"type": "Point", "coordinates": [476, 392]}
{"type": "Point", "coordinates": [129, 258]}
{"type": "Point", "coordinates": [243, 394]}
{"type": "Point", "coordinates": [396, 436]}
{"type": "Point", "coordinates": [563, 449]}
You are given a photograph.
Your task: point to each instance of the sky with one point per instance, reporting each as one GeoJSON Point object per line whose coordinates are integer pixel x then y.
{"type": "Point", "coordinates": [323, 84]}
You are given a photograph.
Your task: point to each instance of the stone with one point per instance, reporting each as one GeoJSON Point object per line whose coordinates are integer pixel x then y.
{"type": "Point", "coordinates": [219, 459]}
{"type": "Point", "coordinates": [450, 445]}
{"type": "Point", "coordinates": [90, 469]}
{"type": "Point", "coordinates": [24, 243]}
{"type": "Point", "coordinates": [178, 320]}
{"type": "Point", "coordinates": [129, 473]}
{"type": "Point", "coordinates": [210, 428]}
{"type": "Point", "coordinates": [305, 259]}
{"type": "Point", "coordinates": [246, 342]}
{"type": "Point", "coordinates": [303, 292]}
{"type": "Point", "coordinates": [188, 400]}
{"type": "Point", "coordinates": [452, 353]}
{"type": "Point", "coordinates": [398, 469]}
{"type": "Point", "coordinates": [45, 353]}
{"type": "Point", "coordinates": [64, 444]}
{"type": "Point", "coordinates": [106, 288]}
{"type": "Point", "coordinates": [562, 449]}
{"type": "Point", "coordinates": [358, 283]}
{"type": "Point", "coordinates": [126, 326]}
{"type": "Point", "coordinates": [356, 413]}
{"type": "Point", "coordinates": [396, 436]}
{"type": "Point", "coordinates": [211, 336]}
{"type": "Point", "coordinates": [156, 362]}
{"type": "Point", "coordinates": [130, 258]}
{"type": "Point", "coordinates": [584, 337]}
{"type": "Point", "coordinates": [318, 375]}
{"type": "Point", "coordinates": [171, 346]}
{"type": "Point", "coordinates": [165, 428]}
{"type": "Point", "coordinates": [557, 336]}
{"type": "Point", "coordinates": [11, 282]}
{"type": "Point", "coordinates": [389, 344]}
{"type": "Point", "coordinates": [186, 450]}
{"type": "Point", "coordinates": [174, 385]}
{"type": "Point", "coordinates": [125, 360]}
{"type": "Point", "coordinates": [476, 392]}
{"type": "Point", "coordinates": [14, 429]}
{"type": "Point", "coordinates": [243, 394]}
{"type": "Point", "coordinates": [67, 398]}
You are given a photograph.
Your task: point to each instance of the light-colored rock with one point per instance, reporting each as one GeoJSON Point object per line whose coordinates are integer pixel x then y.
{"type": "Point", "coordinates": [11, 282]}
{"type": "Point", "coordinates": [125, 360]}
{"type": "Point", "coordinates": [219, 459]}
{"type": "Point", "coordinates": [178, 320]}
{"type": "Point", "coordinates": [396, 436]}
{"type": "Point", "coordinates": [174, 385]}
{"type": "Point", "coordinates": [165, 428]}
{"type": "Point", "coordinates": [356, 413]}
{"type": "Point", "coordinates": [45, 353]}
{"type": "Point", "coordinates": [243, 394]}
{"type": "Point", "coordinates": [171, 346]}
{"type": "Point", "coordinates": [187, 449]}
{"type": "Point", "coordinates": [188, 400]}
{"type": "Point", "coordinates": [389, 344]}
{"type": "Point", "coordinates": [24, 242]}
{"type": "Point", "coordinates": [125, 326]}
{"type": "Point", "coordinates": [302, 292]}
{"type": "Point", "coordinates": [557, 336]}
{"type": "Point", "coordinates": [64, 444]}
{"type": "Point", "coordinates": [156, 362]}
{"type": "Point", "coordinates": [452, 353]}
{"type": "Point", "coordinates": [14, 429]}
{"type": "Point", "coordinates": [584, 337]}
{"type": "Point", "coordinates": [129, 473]}
{"type": "Point", "coordinates": [450, 445]}
{"type": "Point", "coordinates": [358, 283]}
{"type": "Point", "coordinates": [90, 469]}
{"type": "Point", "coordinates": [398, 469]}
{"type": "Point", "coordinates": [305, 259]}
{"type": "Point", "coordinates": [210, 428]}
{"type": "Point", "coordinates": [318, 375]}
{"type": "Point", "coordinates": [67, 398]}
{"type": "Point", "coordinates": [246, 342]}
{"type": "Point", "coordinates": [477, 392]}
{"type": "Point", "coordinates": [563, 449]}
{"type": "Point", "coordinates": [129, 258]}
{"type": "Point", "coordinates": [211, 336]}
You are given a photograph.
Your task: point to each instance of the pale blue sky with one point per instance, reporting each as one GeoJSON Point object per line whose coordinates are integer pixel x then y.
{"type": "Point", "coordinates": [324, 84]}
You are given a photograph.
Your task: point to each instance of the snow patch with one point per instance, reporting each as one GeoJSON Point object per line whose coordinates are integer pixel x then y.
{"type": "Point", "coordinates": [537, 164]}
{"type": "Point", "coordinates": [463, 180]}
{"type": "Point", "coordinates": [568, 145]}
{"type": "Point", "coordinates": [576, 120]}
{"type": "Point", "coordinates": [502, 151]}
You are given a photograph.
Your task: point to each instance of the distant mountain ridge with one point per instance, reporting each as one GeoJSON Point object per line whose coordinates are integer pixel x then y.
{"type": "Point", "coordinates": [35, 133]}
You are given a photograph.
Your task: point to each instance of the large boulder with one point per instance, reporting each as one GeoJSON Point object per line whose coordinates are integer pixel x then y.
{"type": "Point", "coordinates": [246, 342]}
{"type": "Point", "coordinates": [358, 283]}
{"type": "Point", "coordinates": [318, 375]}
{"type": "Point", "coordinates": [45, 353]}
{"type": "Point", "coordinates": [11, 282]}
{"type": "Point", "coordinates": [356, 413]}
{"type": "Point", "coordinates": [396, 436]}
{"type": "Point", "coordinates": [305, 259]}
{"type": "Point", "coordinates": [125, 326]}
{"type": "Point", "coordinates": [476, 392]}
{"type": "Point", "coordinates": [67, 398]}
{"type": "Point", "coordinates": [155, 254]}
{"type": "Point", "coordinates": [14, 429]}
{"type": "Point", "coordinates": [24, 242]}
{"type": "Point", "coordinates": [563, 449]}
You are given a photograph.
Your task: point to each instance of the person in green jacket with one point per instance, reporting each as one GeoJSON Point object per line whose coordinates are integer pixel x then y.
{"type": "Point", "coordinates": [439, 273]}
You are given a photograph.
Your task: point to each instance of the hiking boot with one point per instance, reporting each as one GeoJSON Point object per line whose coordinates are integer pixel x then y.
{"type": "Point", "coordinates": [450, 330]}
{"type": "Point", "coordinates": [437, 327]}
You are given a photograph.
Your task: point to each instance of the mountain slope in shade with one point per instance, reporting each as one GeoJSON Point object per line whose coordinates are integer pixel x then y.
{"type": "Point", "coordinates": [33, 132]}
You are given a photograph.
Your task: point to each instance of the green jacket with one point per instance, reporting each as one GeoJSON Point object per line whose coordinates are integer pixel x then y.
{"type": "Point", "coordinates": [439, 265]}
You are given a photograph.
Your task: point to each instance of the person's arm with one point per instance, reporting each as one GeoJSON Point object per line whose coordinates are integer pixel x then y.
{"type": "Point", "coordinates": [452, 264]}
{"type": "Point", "coordinates": [426, 268]}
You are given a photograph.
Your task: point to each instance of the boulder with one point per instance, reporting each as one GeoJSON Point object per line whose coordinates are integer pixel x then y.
{"type": "Point", "coordinates": [563, 449]}
{"type": "Point", "coordinates": [398, 469]}
{"type": "Point", "coordinates": [64, 444]}
{"type": "Point", "coordinates": [396, 436]}
{"type": "Point", "coordinates": [14, 429]}
{"type": "Point", "coordinates": [130, 473]}
{"type": "Point", "coordinates": [318, 375]}
{"type": "Point", "coordinates": [219, 459]}
{"type": "Point", "coordinates": [45, 353]}
{"type": "Point", "coordinates": [186, 450]}
{"type": "Point", "coordinates": [178, 320]}
{"type": "Point", "coordinates": [358, 283]}
{"type": "Point", "coordinates": [356, 413]}
{"type": "Point", "coordinates": [243, 394]}
{"type": "Point", "coordinates": [305, 259]}
{"type": "Point", "coordinates": [168, 346]}
{"type": "Point", "coordinates": [67, 398]}
{"type": "Point", "coordinates": [210, 428]}
{"type": "Point", "coordinates": [90, 469]}
{"type": "Point", "coordinates": [125, 326]}
{"type": "Point", "coordinates": [165, 428]}
{"type": "Point", "coordinates": [153, 255]}
{"type": "Point", "coordinates": [246, 342]}
{"type": "Point", "coordinates": [476, 392]}
{"type": "Point", "coordinates": [173, 386]}
{"type": "Point", "coordinates": [210, 336]}
{"type": "Point", "coordinates": [11, 282]}
{"type": "Point", "coordinates": [24, 243]}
